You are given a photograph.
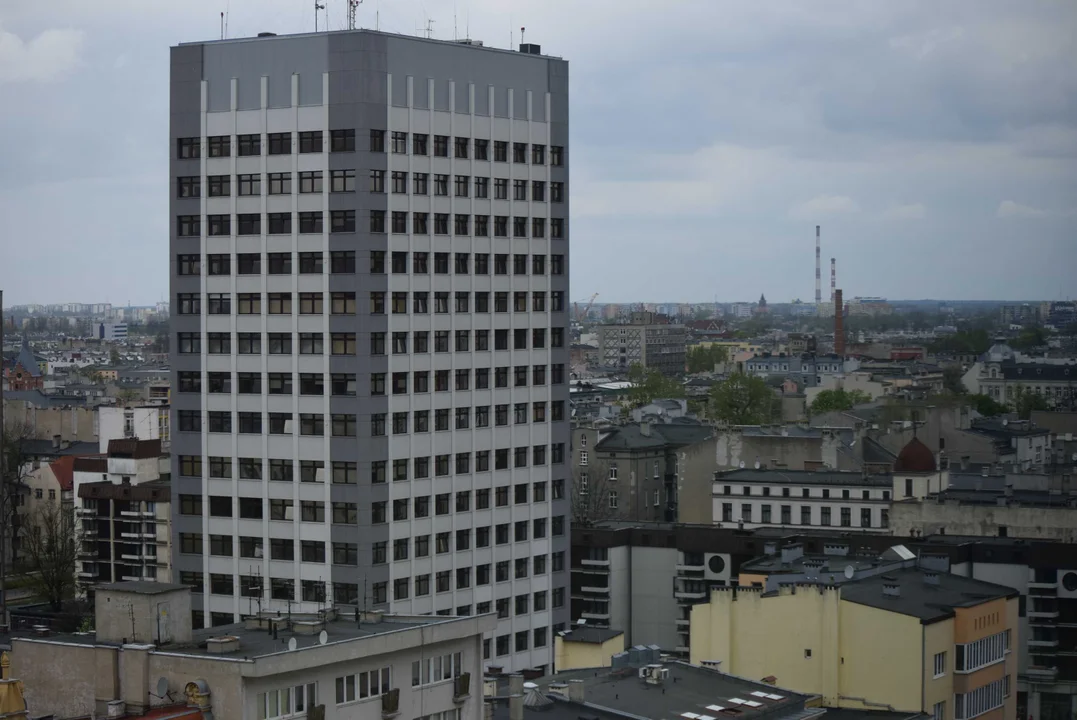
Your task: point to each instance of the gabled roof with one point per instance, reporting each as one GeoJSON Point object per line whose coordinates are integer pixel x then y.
{"type": "Point", "coordinates": [27, 360]}
{"type": "Point", "coordinates": [631, 437]}
{"type": "Point", "coordinates": [63, 469]}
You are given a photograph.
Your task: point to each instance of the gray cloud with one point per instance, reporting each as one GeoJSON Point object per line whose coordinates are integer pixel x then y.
{"type": "Point", "coordinates": [934, 142]}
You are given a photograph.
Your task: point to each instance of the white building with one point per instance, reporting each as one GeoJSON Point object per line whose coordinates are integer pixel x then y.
{"type": "Point", "coordinates": [369, 278]}
{"type": "Point", "coordinates": [112, 331]}
{"type": "Point", "coordinates": [144, 422]}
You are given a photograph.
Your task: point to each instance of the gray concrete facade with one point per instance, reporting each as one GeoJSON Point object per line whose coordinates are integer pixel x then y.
{"type": "Point", "coordinates": [367, 82]}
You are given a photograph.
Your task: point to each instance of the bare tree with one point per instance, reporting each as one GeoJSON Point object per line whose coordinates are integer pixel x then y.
{"type": "Point", "coordinates": [14, 468]}
{"type": "Point", "coordinates": [50, 540]}
{"type": "Point", "coordinates": [592, 502]}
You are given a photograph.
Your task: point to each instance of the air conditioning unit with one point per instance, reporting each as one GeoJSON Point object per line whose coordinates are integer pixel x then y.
{"type": "Point", "coordinates": [716, 566]}
{"type": "Point", "coordinates": [1067, 583]}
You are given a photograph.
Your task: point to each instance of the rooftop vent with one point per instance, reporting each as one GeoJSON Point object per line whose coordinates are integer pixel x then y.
{"type": "Point", "coordinates": [891, 589]}
{"type": "Point", "coordinates": [222, 644]}
{"type": "Point", "coordinates": [931, 578]}
{"type": "Point", "coordinates": [267, 34]}
{"type": "Point", "coordinates": [530, 49]}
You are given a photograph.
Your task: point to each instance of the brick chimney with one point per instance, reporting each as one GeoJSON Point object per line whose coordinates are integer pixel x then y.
{"type": "Point", "coordinates": [839, 325]}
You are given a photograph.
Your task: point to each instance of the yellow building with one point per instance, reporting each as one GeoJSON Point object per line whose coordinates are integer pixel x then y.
{"type": "Point", "coordinates": [909, 640]}
{"type": "Point", "coordinates": [586, 647]}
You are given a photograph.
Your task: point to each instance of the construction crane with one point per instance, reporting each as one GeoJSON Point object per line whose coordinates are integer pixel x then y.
{"type": "Point", "coordinates": [581, 315]}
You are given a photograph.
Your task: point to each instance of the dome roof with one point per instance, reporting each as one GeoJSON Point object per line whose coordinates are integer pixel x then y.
{"type": "Point", "coordinates": [999, 352]}
{"type": "Point", "coordinates": [915, 458]}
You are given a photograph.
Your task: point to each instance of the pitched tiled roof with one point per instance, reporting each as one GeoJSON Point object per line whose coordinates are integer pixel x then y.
{"type": "Point", "coordinates": [27, 360]}
{"type": "Point", "coordinates": [64, 471]}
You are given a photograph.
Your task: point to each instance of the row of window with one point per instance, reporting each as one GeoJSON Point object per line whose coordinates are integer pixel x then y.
{"type": "Point", "coordinates": [402, 423]}
{"type": "Point", "coordinates": [343, 140]}
{"type": "Point", "coordinates": [981, 653]}
{"type": "Point", "coordinates": [254, 586]}
{"type": "Point", "coordinates": [379, 303]}
{"type": "Point", "coordinates": [346, 344]}
{"type": "Point", "coordinates": [343, 221]}
{"type": "Point", "coordinates": [804, 492]}
{"type": "Point", "coordinates": [343, 181]}
{"type": "Point", "coordinates": [314, 551]}
{"type": "Point", "coordinates": [400, 262]}
{"type": "Point", "coordinates": [786, 516]}
{"type": "Point", "coordinates": [981, 700]}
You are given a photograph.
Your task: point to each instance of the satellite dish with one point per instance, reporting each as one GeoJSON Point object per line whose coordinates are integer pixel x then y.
{"type": "Point", "coordinates": [291, 643]}
{"type": "Point", "coordinates": [323, 637]}
{"type": "Point", "coordinates": [741, 464]}
{"type": "Point", "coordinates": [849, 572]}
{"type": "Point", "coordinates": [162, 687]}
{"type": "Point", "coordinates": [1005, 422]}
{"type": "Point", "coordinates": [1074, 457]}
{"type": "Point", "coordinates": [756, 464]}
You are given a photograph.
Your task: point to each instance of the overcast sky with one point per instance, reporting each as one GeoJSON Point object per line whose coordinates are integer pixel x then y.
{"type": "Point", "coordinates": [936, 143]}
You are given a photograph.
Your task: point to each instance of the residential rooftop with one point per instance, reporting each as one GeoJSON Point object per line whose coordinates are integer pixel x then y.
{"type": "Point", "coordinates": [588, 634]}
{"type": "Point", "coordinates": [652, 436]}
{"type": "Point", "coordinates": [919, 598]}
{"type": "Point", "coordinates": [802, 477]}
{"type": "Point", "coordinates": [690, 692]}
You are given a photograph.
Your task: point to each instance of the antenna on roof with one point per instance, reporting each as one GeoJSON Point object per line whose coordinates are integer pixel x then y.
{"type": "Point", "coordinates": [222, 25]}
{"type": "Point", "coordinates": [353, 6]}
{"type": "Point", "coordinates": [318, 7]}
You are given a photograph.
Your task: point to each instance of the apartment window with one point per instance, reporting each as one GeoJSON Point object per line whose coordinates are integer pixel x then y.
{"type": "Point", "coordinates": [280, 183]}
{"type": "Point", "coordinates": [188, 148]}
{"type": "Point", "coordinates": [398, 142]}
{"type": "Point", "coordinates": [441, 146]}
{"type": "Point", "coordinates": [188, 225]}
{"type": "Point", "coordinates": [865, 517]}
{"type": "Point", "coordinates": [824, 516]}
{"type": "Point", "coordinates": [343, 262]}
{"type": "Point", "coordinates": [341, 181]}
{"type": "Point", "coordinates": [280, 223]}
{"type": "Point", "coordinates": [342, 140]}
{"type": "Point", "coordinates": [938, 711]}
{"type": "Point", "coordinates": [519, 227]}
{"type": "Point", "coordinates": [461, 224]}
{"type": "Point", "coordinates": [519, 152]}
{"type": "Point", "coordinates": [220, 146]}
{"type": "Point", "coordinates": [940, 664]}
{"type": "Point", "coordinates": [310, 181]}
{"type": "Point", "coordinates": [189, 187]}
{"type": "Point", "coordinates": [419, 143]}
{"type": "Point", "coordinates": [441, 185]}
{"type": "Point", "coordinates": [341, 221]}
{"type": "Point", "coordinates": [519, 189]}
{"type": "Point", "coordinates": [219, 224]}
{"type": "Point", "coordinates": [280, 143]}
{"type": "Point", "coordinates": [846, 517]}
{"type": "Point", "coordinates": [311, 303]}
{"type": "Point", "coordinates": [557, 155]}
{"type": "Point", "coordinates": [557, 228]}
{"type": "Point", "coordinates": [346, 218]}
{"type": "Point", "coordinates": [377, 141]}
{"type": "Point", "coordinates": [310, 222]}
{"type": "Point", "coordinates": [501, 189]}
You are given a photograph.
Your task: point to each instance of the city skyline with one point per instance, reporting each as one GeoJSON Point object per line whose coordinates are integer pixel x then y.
{"type": "Point", "coordinates": [934, 148]}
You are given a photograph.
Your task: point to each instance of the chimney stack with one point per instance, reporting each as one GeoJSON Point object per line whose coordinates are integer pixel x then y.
{"type": "Point", "coordinates": [839, 325]}
{"type": "Point", "coordinates": [833, 277]}
{"type": "Point", "coordinates": [818, 287]}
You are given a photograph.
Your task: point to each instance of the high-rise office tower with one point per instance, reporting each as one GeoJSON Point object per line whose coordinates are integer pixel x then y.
{"type": "Point", "coordinates": [369, 253]}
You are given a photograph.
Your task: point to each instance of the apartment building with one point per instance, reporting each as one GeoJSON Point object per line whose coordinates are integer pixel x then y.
{"type": "Point", "coordinates": [123, 514]}
{"type": "Point", "coordinates": [369, 269]}
{"type": "Point", "coordinates": [144, 658]}
{"type": "Point", "coordinates": [752, 498]}
{"type": "Point", "coordinates": [888, 631]}
{"type": "Point", "coordinates": [645, 341]}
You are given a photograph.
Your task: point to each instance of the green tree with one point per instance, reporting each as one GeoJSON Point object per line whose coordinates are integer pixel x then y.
{"type": "Point", "coordinates": [113, 357]}
{"type": "Point", "coordinates": [744, 400]}
{"type": "Point", "coordinates": [1031, 336]}
{"type": "Point", "coordinates": [986, 405]}
{"type": "Point", "coordinates": [840, 399]}
{"type": "Point", "coordinates": [650, 384]}
{"type": "Point", "coordinates": [702, 358]}
{"type": "Point", "coordinates": [1026, 400]}
{"type": "Point", "coordinates": [951, 379]}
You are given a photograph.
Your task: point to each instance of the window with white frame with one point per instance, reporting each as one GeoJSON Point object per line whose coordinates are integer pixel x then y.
{"type": "Point", "coordinates": [583, 440]}
{"type": "Point", "coordinates": [436, 669]}
{"type": "Point", "coordinates": [454, 714]}
{"type": "Point", "coordinates": [656, 498]}
{"type": "Point", "coordinates": [583, 484]}
{"type": "Point", "coordinates": [613, 471]}
{"type": "Point", "coordinates": [656, 469]}
{"type": "Point", "coordinates": [938, 712]}
{"type": "Point", "coordinates": [613, 499]}
{"type": "Point", "coordinates": [583, 458]}
{"type": "Point", "coordinates": [369, 683]}
{"type": "Point", "coordinates": [940, 664]}
{"type": "Point", "coordinates": [981, 653]}
{"type": "Point", "coordinates": [287, 702]}
{"type": "Point", "coordinates": [981, 700]}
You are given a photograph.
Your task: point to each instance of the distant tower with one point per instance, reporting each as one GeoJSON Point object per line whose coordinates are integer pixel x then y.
{"type": "Point", "coordinates": [839, 325]}
{"type": "Point", "coordinates": [833, 278]}
{"type": "Point", "coordinates": [818, 287]}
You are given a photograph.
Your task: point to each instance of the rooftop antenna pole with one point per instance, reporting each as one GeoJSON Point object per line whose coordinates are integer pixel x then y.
{"type": "Point", "coordinates": [222, 26]}
{"type": "Point", "coordinates": [318, 7]}
{"type": "Point", "coordinates": [455, 34]}
{"type": "Point", "coordinates": [833, 278]}
{"type": "Point", "coordinates": [522, 31]}
{"type": "Point", "coordinates": [353, 7]}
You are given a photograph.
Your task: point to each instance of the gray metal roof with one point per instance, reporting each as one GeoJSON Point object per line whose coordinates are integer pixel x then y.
{"type": "Point", "coordinates": [919, 599]}
{"type": "Point", "coordinates": [802, 477]}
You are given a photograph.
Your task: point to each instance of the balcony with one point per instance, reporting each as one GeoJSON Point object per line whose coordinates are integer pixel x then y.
{"type": "Point", "coordinates": [684, 594]}
{"type": "Point", "coordinates": [1042, 614]}
{"type": "Point", "coordinates": [1043, 586]}
{"type": "Point", "coordinates": [89, 574]}
{"type": "Point", "coordinates": [594, 563]}
{"type": "Point", "coordinates": [683, 623]}
{"type": "Point", "coordinates": [595, 616]}
{"type": "Point", "coordinates": [1043, 643]}
{"type": "Point", "coordinates": [1041, 673]}
{"type": "Point", "coordinates": [687, 568]}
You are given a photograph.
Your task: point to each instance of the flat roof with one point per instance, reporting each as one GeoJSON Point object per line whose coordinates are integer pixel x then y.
{"type": "Point", "coordinates": [802, 477]}
{"type": "Point", "coordinates": [141, 587]}
{"type": "Point", "coordinates": [291, 36]}
{"type": "Point", "coordinates": [585, 634]}
{"type": "Point", "coordinates": [691, 689]}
